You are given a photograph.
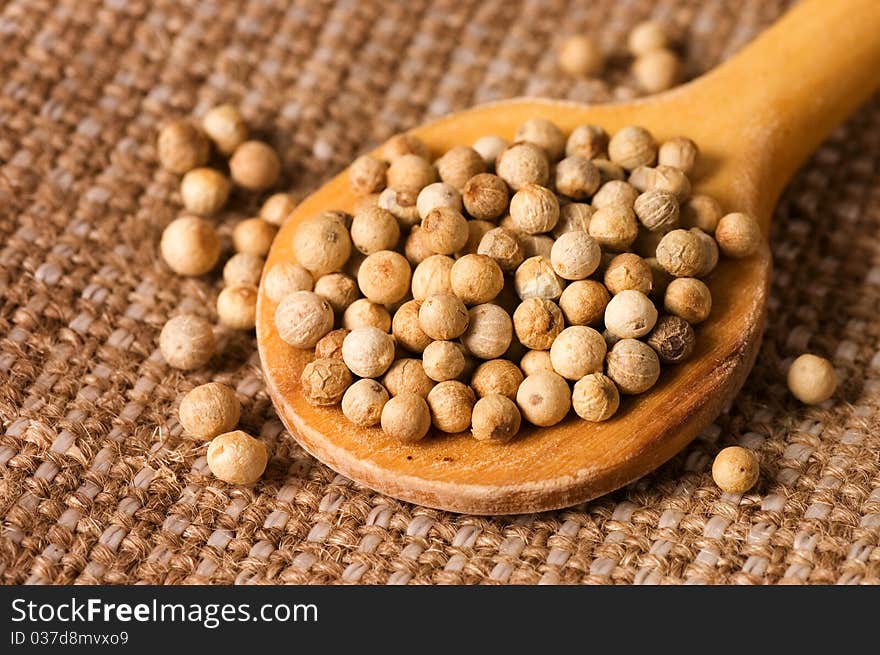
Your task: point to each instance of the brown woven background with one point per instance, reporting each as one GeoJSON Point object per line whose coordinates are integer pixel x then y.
{"type": "Point", "coordinates": [99, 487]}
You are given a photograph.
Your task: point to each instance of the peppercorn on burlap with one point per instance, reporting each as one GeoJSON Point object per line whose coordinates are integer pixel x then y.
{"type": "Point", "coordinates": [97, 484]}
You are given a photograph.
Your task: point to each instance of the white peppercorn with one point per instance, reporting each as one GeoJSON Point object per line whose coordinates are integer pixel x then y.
{"type": "Point", "coordinates": [443, 317]}
{"type": "Point", "coordinates": [679, 152]}
{"type": "Point", "coordinates": [577, 351]}
{"type": "Point", "coordinates": [735, 470]}
{"type": "Point", "coordinates": [324, 381]}
{"type": "Point", "coordinates": [407, 376]}
{"type": "Point", "coordinates": [410, 172]}
{"type": "Point", "coordinates": [495, 418]}
{"type": "Point", "coordinates": [489, 331]}
{"type": "Point", "coordinates": [503, 246]}
{"type": "Point", "coordinates": [432, 276]}
{"type": "Point", "coordinates": [226, 127]}
{"type": "Point", "coordinates": [671, 179]}
{"type": "Point", "coordinates": [575, 255]}
{"type": "Point", "coordinates": [577, 177]}
{"type": "Point", "coordinates": [595, 397]}
{"type": "Point", "coordinates": [657, 71]}
{"type": "Point", "coordinates": [701, 211]}
{"type": "Point", "coordinates": [416, 247]}
{"type": "Point", "coordinates": [476, 279]}
{"type": "Point", "coordinates": [523, 163]}
{"type": "Point", "coordinates": [363, 403]}
{"type": "Point", "coordinates": [367, 175]}
{"type": "Point", "coordinates": [330, 345]}
{"type": "Point", "coordinates": [365, 313]}
{"type": "Point", "coordinates": [489, 148]}
{"type": "Point", "coordinates": [534, 209]}
{"type": "Point", "coordinates": [204, 191]}
{"type": "Point", "coordinates": [243, 268]}
{"type": "Point", "coordinates": [497, 376]}
{"type": "Point", "coordinates": [237, 307]}
{"type": "Point", "coordinates": [615, 192]}
{"type": "Point", "coordinates": [384, 277]}
{"type": "Point", "coordinates": [187, 342]}
{"type": "Point", "coordinates": [681, 253]}
{"type": "Point", "coordinates": [485, 196]}
{"type": "Point", "coordinates": [338, 289]}
{"type": "Point", "coordinates": [322, 244]}
{"type": "Point", "coordinates": [673, 339]}
{"type": "Point", "coordinates": [657, 210]}
{"type": "Point", "coordinates": [630, 314]}
{"type": "Point", "coordinates": [584, 302]}
{"type": "Point", "coordinates": [632, 147]}
{"type": "Point", "coordinates": [368, 351]}
{"type": "Point", "coordinates": [406, 328]}
{"type": "Point", "coordinates": [253, 236]}
{"type": "Point", "coordinates": [254, 165]}
{"type": "Point", "coordinates": [208, 410]}
{"type": "Point", "coordinates": [633, 365]}
{"type": "Point", "coordinates": [544, 399]}
{"type": "Point", "coordinates": [438, 194]}
{"type": "Point", "coordinates": [190, 245]}
{"type": "Point", "coordinates": [537, 322]}
{"type": "Point", "coordinates": [451, 404]}
{"type": "Point", "coordinates": [536, 361]}
{"type": "Point", "coordinates": [589, 141]}
{"type": "Point", "coordinates": [406, 417]}
{"type": "Point", "coordinates": [536, 278]}
{"type": "Point", "coordinates": [302, 318]}
{"type": "Point", "coordinates": [443, 360]}
{"type": "Point", "coordinates": [459, 165]}
{"type": "Point", "coordinates": [237, 458]}
{"type": "Point", "coordinates": [628, 271]}
{"type": "Point", "coordinates": [688, 298]}
{"type": "Point", "coordinates": [403, 204]}
{"type": "Point", "coordinates": [285, 278]}
{"type": "Point", "coordinates": [544, 134]}
{"type": "Point", "coordinates": [445, 230]}
{"type": "Point", "coordinates": [404, 144]}
{"type": "Point", "coordinates": [646, 37]}
{"type": "Point", "coordinates": [615, 227]}
{"type": "Point", "coordinates": [374, 229]}
{"type": "Point", "coordinates": [710, 252]}
{"type": "Point", "coordinates": [738, 235]}
{"type": "Point", "coordinates": [182, 147]}
{"type": "Point", "coordinates": [580, 55]}
{"type": "Point", "coordinates": [811, 379]}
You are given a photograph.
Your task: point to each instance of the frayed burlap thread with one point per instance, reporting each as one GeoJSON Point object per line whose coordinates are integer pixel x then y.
{"type": "Point", "coordinates": [97, 483]}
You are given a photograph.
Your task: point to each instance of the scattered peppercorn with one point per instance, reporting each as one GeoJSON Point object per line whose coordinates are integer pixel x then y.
{"type": "Point", "coordinates": [811, 379]}
{"type": "Point", "coordinates": [735, 469]}
{"type": "Point", "coordinates": [208, 410]}
{"type": "Point", "coordinates": [254, 165]}
{"type": "Point", "coordinates": [204, 191]}
{"type": "Point", "coordinates": [190, 246]}
{"type": "Point", "coordinates": [579, 55]}
{"type": "Point", "coordinates": [237, 458]}
{"type": "Point", "coordinates": [237, 307]}
{"type": "Point", "coordinates": [187, 342]}
{"type": "Point", "coordinates": [182, 147]}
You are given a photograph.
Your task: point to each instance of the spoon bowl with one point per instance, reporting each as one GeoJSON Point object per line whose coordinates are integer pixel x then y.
{"type": "Point", "coordinates": [755, 119]}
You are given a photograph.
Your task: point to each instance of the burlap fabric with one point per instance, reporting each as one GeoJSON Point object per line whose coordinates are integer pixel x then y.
{"type": "Point", "coordinates": [98, 485]}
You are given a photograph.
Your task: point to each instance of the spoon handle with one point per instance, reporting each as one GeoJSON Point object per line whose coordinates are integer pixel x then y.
{"type": "Point", "coordinates": [795, 83]}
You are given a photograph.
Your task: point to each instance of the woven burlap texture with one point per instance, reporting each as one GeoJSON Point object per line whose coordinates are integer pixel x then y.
{"type": "Point", "coordinates": [98, 484]}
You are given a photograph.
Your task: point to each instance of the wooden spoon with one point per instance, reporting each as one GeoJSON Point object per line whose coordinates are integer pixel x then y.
{"type": "Point", "coordinates": [756, 118]}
